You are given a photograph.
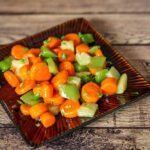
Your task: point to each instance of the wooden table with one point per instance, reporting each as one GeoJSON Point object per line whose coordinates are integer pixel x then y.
{"type": "Point", "coordinates": [126, 24]}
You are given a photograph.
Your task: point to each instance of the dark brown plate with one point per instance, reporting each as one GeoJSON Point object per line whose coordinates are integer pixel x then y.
{"type": "Point", "coordinates": [137, 87]}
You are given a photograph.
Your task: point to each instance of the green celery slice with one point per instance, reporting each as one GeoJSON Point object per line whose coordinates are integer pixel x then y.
{"type": "Point", "coordinates": [52, 65]}
{"type": "Point", "coordinates": [113, 73]}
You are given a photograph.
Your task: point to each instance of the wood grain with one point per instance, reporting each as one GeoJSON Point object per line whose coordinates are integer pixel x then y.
{"type": "Point", "coordinates": [64, 6]}
{"type": "Point", "coordinates": [118, 28]}
{"type": "Point", "coordinates": [89, 138]}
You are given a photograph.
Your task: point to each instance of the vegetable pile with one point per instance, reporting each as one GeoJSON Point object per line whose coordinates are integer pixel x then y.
{"type": "Point", "coordinates": [66, 75]}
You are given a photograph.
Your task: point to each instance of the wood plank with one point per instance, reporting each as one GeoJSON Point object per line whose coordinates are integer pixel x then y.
{"type": "Point", "coordinates": [89, 138]}
{"type": "Point", "coordinates": [118, 28]}
{"type": "Point", "coordinates": [64, 6]}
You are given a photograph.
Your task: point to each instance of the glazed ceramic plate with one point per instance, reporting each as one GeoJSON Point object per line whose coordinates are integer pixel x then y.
{"type": "Point", "coordinates": [33, 135]}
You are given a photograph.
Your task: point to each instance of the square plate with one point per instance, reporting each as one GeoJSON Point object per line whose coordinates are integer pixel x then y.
{"type": "Point", "coordinates": [137, 87]}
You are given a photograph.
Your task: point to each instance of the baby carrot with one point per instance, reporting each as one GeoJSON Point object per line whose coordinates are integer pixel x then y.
{"type": "Point", "coordinates": [52, 42]}
{"type": "Point", "coordinates": [68, 66]}
{"type": "Point", "coordinates": [18, 51]}
{"type": "Point", "coordinates": [91, 92]}
{"type": "Point", "coordinates": [11, 78]}
{"type": "Point", "coordinates": [72, 37]}
{"type": "Point", "coordinates": [24, 87]}
{"type": "Point", "coordinates": [98, 52]}
{"type": "Point", "coordinates": [40, 72]}
{"type": "Point", "coordinates": [69, 108]}
{"type": "Point", "coordinates": [25, 109]}
{"type": "Point", "coordinates": [24, 72]}
{"type": "Point", "coordinates": [55, 100]}
{"type": "Point", "coordinates": [37, 110]}
{"type": "Point", "coordinates": [59, 78]}
{"type": "Point", "coordinates": [46, 90]}
{"type": "Point", "coordinates": [66, 55]}
{"type": "Point", "coordinates": [82, 48]}
{"type": "Point", "coordinates": [109, 86]}
{"type": "Point", "coordinates": [47, 119]}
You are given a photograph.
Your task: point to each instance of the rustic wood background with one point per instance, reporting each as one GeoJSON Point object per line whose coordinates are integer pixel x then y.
{"type": "Point", "coordinates": [126, 24]}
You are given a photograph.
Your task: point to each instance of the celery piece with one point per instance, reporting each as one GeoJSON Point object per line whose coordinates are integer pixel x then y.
{"type": "Point", "coordinates": [100, 75]}
{"type": "Point", "coordinates": [87, 110]}
{"type": "Point", "coordinates": [122, 84]}
{"type": "Point", "coordinates": [69, 45]}
{"type": "Point", "coordinates": [52, 65]}
{"type": "Point", "coordinates": [69, 91]}
{"type": "Point", "coordinates": [75, 80]}
{"type": "Point", "coordinates": [80, 68]}
{"type": "Point", "coordinates": [86, 38]}
{"type": "Point", "coordinates": [113, 73]}
{"type": "Point", "coordinates": [28, 98]}
{"type": "Point", "coordinates": [97, 62]}
{"type": "Point", "coordinates": [83, 58]}
{"type": "Point", "coordinates": [94, 49]}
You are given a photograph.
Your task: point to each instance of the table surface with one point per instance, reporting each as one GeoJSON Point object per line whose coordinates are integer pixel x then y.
{"type": "Point", "coordinates": [126, 25]}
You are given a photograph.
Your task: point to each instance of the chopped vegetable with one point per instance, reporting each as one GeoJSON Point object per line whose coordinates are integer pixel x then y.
{"type": "Point", "coordinates": [69, 91]}
{"type": "Point", "coordinates": [100, 75]}
{"type": "Point", "coordinates": [80, 68]}
{"type": "Point", "coordinates": [54, 109]}
{"type": "Point", "coordinates": [86, 38]}
{"type": "Point", "coordinates": [28, 98]}
{"type": "Point", "coordinates": [52, 42]}
{"type": "Point", "coordinates": [5, 64]}
{"type": "Point", "coordinates": [94, 49]}
{"type": "Point", "coordinates": [113, 73]}
{"type": "Point", "coordinates": [82, 48]}
{"type": "Point", "coordinates": [122, 84]}
{"type": "Point", "coordinates": [97, 62]}
{"type": "Point", "coordinates": [47, 53]}
{"type": "Point", "coordinates": [25, 109]}
{"type": "Point", "coordinates": [52, 66]}
{"type": "Point", "coordinates": [75, 80]}
{"type": "Point", "coordinates": [87, 110]}
{"type": "Point", "coordinates": [69, 45]}
{"type": "Point", "coordinates": [67, 54]}
{"type": "Point", "coordinates": [83, 58]}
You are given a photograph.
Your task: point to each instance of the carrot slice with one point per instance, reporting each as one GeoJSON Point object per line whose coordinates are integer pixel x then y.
{"type": "Point", "coordinates": [34, 51]}
{"type": "Point", "coordinates": [46, 90]}
{"type": "Point", "coordinates": [72, 37]}
{"type": "Point", "coordinates": [24, 87]}
{"type": "Point", "coordinates": [25, 109]}
{"type": "Point", "coordinates": [52, 42]}
{"type": "Point", "coordinates": [47, 119]}
{"type": "Point", "coordinates": [69, 108]}
{"type": "Point", "coordinates": [24, 72]}
{"type": "Point", "coordinates": [83, 48]}
{"type": "Point", "coordinates": [98, 52]}
{"type": "Point", "coordinates": [18, 51]}
{"type": "Point", "coordinates": [11, 78]}
{"type": "Point", "coordinates": [55, 100]}
{"type": "Point", "coordinates": [109, 86]}
{"type": "Point", "coordinates": [59, 78]}
{"type": "Point", "coordinates": [68, 66]}
{"type": "Point", "coordinates": [37, 110]}
{"type": "Point", "coordinates": [66, 55]}
{"type": "Point", "coordinates": [91, 92]}
{"type": "Point", "coordinates": [40, 72]}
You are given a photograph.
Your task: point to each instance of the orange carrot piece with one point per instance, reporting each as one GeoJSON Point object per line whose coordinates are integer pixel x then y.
{"type": "Point", "coordinates": [59, 78]}
{"type": "Point", "coordinates": [98, 52]}
{"type": "Point", "coordinates": [11, 78]}
{"type": "Point", "coordinates": [18, 51]}
{"type": "Point", "coordinates": [68, 66]}
{"type": "Point", "coordinates": [55, 100]}
{"type": "Point", "coordinates": [24, 87]}
{"type": "Point", "coordinates": [53, 42]}
{"type": "Point", "coordinates": [72, 37]}
{"type": "Point", "coordinates": [91, 92]}
{"type": "Point", "coordinates": [24, 72]}
{"type": "Point", "coordinates": [109, 86]}
{"type": "Point", "coordinates": [37, 110]}
{"type": "Point", "coordinates": [47, 119]}
{"type": "Point", "coordinates": [66, 55]}
{"type": "Point", "coordinates": [83, 48]}
{"type": "Point", "coordinates": [69, 108]}
{"type": "Point", "coordinates": [25, 109]}
{"type": "Point", "coordinates": [40, 72]}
